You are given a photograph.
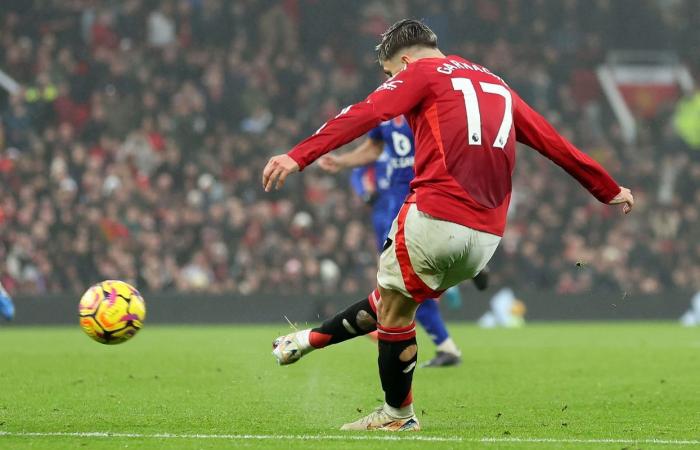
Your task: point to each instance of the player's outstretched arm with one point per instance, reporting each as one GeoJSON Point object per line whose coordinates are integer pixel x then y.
{"type": "Point", "coordinates": [535, 131]}
{"type": "Point", "coordinates": [396, 96]}
{"type": "Point", "coordinates": [367, 152]}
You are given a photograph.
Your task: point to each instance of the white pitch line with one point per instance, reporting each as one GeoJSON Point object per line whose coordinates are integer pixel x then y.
{"type": "Point", "coordinates": [299, 437]}
{"type": "Point", "coordinates": [349, 437]}
{"type": "Point", "coordinates": [589, 441]}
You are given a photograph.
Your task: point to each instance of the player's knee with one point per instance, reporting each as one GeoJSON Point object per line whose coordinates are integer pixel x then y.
{"type": "Point", "coordinates": [365, 321]}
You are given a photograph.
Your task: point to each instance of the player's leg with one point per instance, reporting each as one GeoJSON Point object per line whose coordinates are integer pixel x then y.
{"type": "Point", "coordinates": [398, 350]}
{"type": "Point", "coordinates": [447, 354]}
{"type": "Point", "coordinates": [401, 290]}
{"type": "Point", "coordinates": [398, 353]}
{"type": "Point", "coordinates": [356, 320]}
{"type": "Point", "coordinates": [7, 308]}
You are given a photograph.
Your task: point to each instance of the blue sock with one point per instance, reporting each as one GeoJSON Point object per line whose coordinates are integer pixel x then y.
{"type": "Point", "coordinates": [428, 315]}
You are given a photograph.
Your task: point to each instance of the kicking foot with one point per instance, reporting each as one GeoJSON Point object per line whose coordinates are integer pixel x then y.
{"type": "Point", "coordinates": [290, 348]}
{"type": "Point", "coordinates": [379, 419]}
{"type": "Point", "coordinates": [443, 359]}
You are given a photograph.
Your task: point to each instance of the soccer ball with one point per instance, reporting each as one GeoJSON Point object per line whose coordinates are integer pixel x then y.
{"type": "Point", "coordinates": [111, 312]}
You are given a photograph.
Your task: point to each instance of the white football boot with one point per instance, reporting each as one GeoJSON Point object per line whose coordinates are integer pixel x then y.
{"type": "Point", "coordinates": [290, 348]}
{"type": "Point", "coordinates": [380, 419]}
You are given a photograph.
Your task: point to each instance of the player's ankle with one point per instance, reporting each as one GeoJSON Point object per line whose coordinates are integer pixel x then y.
{"type": "Point", "coordinates": [303, 338]}
{"type": "Point", "coordinates": [399, 413]}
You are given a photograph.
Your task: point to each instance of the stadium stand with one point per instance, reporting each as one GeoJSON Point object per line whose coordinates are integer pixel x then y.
{"type": "Point", "coordinates": [134, 148]}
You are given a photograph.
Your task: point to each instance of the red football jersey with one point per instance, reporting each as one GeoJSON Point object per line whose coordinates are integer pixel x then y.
{"type": "Point", "coordinates": [466, 121]}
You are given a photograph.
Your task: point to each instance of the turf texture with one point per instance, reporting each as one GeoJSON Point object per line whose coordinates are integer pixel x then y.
{"type": "Point", "coordinates": [563, 385]}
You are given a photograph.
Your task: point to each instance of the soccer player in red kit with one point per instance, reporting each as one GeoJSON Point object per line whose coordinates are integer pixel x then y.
{"type": "Point", "coordinates": [466, 121]}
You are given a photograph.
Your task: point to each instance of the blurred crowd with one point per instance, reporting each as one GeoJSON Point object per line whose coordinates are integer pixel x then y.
{"type": "Point", "coordinates": [134, 147]}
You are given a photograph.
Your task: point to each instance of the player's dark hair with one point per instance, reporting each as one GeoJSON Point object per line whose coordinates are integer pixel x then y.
{"type": "Point", "coordinates": [402, 34]}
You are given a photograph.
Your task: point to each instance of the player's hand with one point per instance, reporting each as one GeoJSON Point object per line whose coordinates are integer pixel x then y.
{"type": "Point", "coordinates": [330, 163]}
{"type": "Point", "coordinates": [625, 197]}
{"type": "Point", "coordinates": [277, 170]}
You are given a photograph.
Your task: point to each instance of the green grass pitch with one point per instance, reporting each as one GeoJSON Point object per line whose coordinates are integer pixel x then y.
{"type": "Point", "coordinates": [564, 385]}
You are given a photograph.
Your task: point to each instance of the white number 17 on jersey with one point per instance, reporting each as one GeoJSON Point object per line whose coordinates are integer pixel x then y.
{"type": "Point", "coordinates": [471, 102]}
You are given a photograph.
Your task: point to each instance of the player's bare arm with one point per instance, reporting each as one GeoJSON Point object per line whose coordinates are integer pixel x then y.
{"type": "Point", "coordinates": [367, 152]}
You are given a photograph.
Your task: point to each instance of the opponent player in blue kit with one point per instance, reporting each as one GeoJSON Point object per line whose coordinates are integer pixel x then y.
{"type": "Point", "coordinates": [383, 170]}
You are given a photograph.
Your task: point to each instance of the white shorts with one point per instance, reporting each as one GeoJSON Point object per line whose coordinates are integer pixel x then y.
{"type": "Point", "coordinates": [424, 256]}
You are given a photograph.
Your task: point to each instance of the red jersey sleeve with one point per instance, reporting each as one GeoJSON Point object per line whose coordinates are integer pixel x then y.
{"type": "Point", "coordinates": [533, 130]}
{"type": "Point", "coordinates": [394, 97]}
